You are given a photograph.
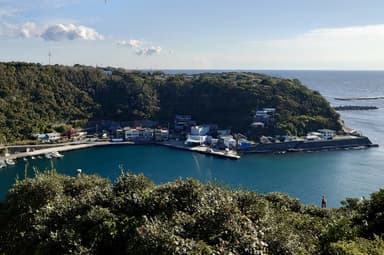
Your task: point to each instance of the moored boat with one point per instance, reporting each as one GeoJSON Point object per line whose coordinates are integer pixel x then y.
{"type": "Point", "coordinates": [56, 154]}
{"type": "Point", "coordinates": [10, 162]}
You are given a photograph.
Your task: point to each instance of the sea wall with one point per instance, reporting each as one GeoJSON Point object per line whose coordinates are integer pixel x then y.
{"type": "Point", "coordinates": [334, 144]}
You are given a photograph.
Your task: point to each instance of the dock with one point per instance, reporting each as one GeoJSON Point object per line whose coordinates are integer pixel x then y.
{"type": "Point", "coordinates": [42, 150]}
{"type": "Point", "coordinates": [202, 149]}
{"type": "Point", "coordinates": [60, 148]}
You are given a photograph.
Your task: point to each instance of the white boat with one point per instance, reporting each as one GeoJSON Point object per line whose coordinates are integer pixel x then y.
{"type": "Point", "coordinates": [2, 164]}
{"type": "Point", "coordinates": [48, 155]}
{"type": "Point", "coordinates": [10, 162]}
{"type": "Point", "coordinates": [25, 159]}
{"type": "Point", "coordinates": [33, 157]}
{"type": "Point", "coordinates": [56, 154]}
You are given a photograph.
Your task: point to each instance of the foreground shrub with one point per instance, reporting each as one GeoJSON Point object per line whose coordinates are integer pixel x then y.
{"type": "Point", "coordinates": [358, 246]}
{"type": "Point", "coordinates": [57, 214]}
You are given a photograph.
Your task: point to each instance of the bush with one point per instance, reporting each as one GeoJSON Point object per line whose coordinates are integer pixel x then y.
{"type": "Point", "coordinates": [57, 214]}
{"type": "Point", "coordinates": [358, 246]}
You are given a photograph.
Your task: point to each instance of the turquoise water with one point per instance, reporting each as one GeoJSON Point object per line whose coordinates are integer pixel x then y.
{"type": "Point", "coordinates": [306, 176]}
{"type": "Point", "coordinates": [303, 175]}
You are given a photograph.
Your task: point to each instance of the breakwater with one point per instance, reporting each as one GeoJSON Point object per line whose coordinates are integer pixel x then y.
{"type": "Point", "coordinates": [359, 98]}
{"type": "Point", "coordinates": [301, 145]}
{"type": "Point", "coordinates": [354, 108]}
{"type": "Point", "coordinates": [201, 149]}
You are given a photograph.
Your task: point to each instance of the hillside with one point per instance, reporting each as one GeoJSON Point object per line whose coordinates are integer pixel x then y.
{"type": "Point", "coordinates": [57, 214]}
{"type": "Point", "coordinates": [36, 98]}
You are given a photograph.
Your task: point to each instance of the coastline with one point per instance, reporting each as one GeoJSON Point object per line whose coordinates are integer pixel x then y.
{"type": "Point", "coordinates": [62, 147]}
{"type": "Point", "coordinates": [294, 146]}
{"type": "Point", "coordinates": [89, 144]}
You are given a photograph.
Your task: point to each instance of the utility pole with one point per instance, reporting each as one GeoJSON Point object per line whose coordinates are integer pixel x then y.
{"type": "Point", "coordinates": [49, 57]}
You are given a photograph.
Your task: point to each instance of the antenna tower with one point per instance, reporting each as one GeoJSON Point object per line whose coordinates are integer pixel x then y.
{"type": "Point", "coordinates": [49, 57]}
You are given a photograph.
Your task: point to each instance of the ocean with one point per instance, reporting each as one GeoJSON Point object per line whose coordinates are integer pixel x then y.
{"type": "Point", "coordinates": [306, 176]}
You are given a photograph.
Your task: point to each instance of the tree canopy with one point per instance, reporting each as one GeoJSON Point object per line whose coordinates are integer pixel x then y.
{"type": "Point", "coordinates": [36, 98]}
{"type": "Point", "coordinates": [58, 214]}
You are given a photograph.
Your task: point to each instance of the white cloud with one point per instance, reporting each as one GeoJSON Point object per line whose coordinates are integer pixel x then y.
{"type": "Point", "coordinates": [56, 32]}
{"type": "Point", "coordinates": [26, 30]}
{"type": "Point", "coordinates": [61, 32]}
{"type": "Point", "coordinates": [140, 49]}
{"type": "Point", "coordinates": [149, 51]}
{"type": "Point", "coordinates": [130, 43]}
{"type": "Point", "coordinates": [362, 45]}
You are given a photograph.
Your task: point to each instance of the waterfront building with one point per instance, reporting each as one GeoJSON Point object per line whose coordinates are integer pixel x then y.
{"type": "Point", "coordinates": [161, 134]}
{"type": "Point", "coordinates": [200, 130]}
{"type": "Point", "coordinates": [138, 134]}
{"type": "Point", "coordinates": [131, 134]}
{"type": "Point", "coordinates": [183, 123]}
{"type": "Point", "coordinates": [198, 135]}
{"type": "Point", "coordinates": [195, 140]}
{"type": "Point", "coordinates": [327, 133]}
{"type": "Point", "coordinates": [226, 141]}
{"type": "Point", "coordinates": [48, 137]}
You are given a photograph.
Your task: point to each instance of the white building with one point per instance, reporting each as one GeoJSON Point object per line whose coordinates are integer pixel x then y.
{"type": "Point", "coordinates": [228, 141]}
{"type": "Point", "coordinates": [161, 134]}
{"type": "Point", "coordinates": [327, 133]}
{"type": "Point", "coordinates": [194, 140]}
{"type": "Point", "coordinates": [48, 137]}
{"type": "Point", "coordinates": [131, 134]}
{"type": "Point", "coordinates": [200, 130]}
{"type": "Point", "coordinates": [139, 133]}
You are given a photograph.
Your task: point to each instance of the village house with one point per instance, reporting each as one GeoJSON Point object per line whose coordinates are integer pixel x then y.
{"type": "Point", "coordinates": [264, 117]}
{"type": "Point", "coordinates": [161, 134]}
{"type": "Point", "coordinates": [138, 134]}
{"type": "Point", "coordinates": [198, 135]}
{"type": "Point", "coordinates": [327, 134]}
{"type": "Point", "coordinates": [48, 137]}
{"type": "Point", "coordinates": [183, 123]}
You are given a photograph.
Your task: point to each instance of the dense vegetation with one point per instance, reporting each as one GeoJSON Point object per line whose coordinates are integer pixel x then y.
{"type": "Point", "coordinates": [36, 98]}
{"type": "Point", "coordinates": [57, 214]}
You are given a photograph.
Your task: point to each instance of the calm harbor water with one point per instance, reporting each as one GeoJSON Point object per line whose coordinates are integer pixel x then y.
{"type": "Point", "coordinates": [307, 176]}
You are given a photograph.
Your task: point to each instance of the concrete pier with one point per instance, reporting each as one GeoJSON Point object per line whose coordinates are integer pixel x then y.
{"type": "Point", "coordinates": [201, 149]}
{"type": "Point", "coordinates": [61, 147]}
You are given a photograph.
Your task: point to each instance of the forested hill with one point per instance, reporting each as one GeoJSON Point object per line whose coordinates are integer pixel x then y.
{"type": "Point", "coordinates": [36, 98]}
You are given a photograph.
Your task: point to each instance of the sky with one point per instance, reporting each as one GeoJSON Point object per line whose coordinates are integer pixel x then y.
{"type": "Point", "coordinates": [209, 34]}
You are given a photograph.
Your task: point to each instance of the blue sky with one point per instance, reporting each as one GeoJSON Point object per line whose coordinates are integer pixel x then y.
{"type": "Point", "coordinates": [210, 34]}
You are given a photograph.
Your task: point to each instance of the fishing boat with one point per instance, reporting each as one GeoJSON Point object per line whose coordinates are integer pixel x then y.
{"type": "Point", "coordinates": [10, 162]}
{"type": "Point", "coordinates": [56, 154]}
